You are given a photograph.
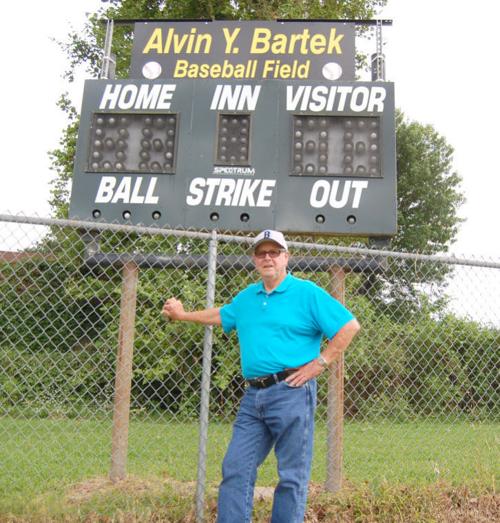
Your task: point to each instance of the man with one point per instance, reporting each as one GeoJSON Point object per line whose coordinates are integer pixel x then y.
{"type": "Point", "coordinates": [280, 322]}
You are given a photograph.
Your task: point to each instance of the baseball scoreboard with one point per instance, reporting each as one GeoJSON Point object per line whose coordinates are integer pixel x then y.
{"type": "Point", "coordinates": [224, 141]}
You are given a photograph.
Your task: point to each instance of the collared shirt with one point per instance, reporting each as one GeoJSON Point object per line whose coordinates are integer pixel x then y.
{"type": "Point", "coordinates": [282, 328]}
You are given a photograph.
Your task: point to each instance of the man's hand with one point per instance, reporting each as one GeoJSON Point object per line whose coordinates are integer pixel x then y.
{"type": "Point", "coordinates": [173, 309]}
{"type": "Point", "coordinates": [336, 346]}
{"type": "Point", "coordinates": [305, 373]}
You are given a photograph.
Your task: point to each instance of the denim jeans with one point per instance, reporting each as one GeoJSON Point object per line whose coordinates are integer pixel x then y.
{"type": "Point", "coordinates": [279, 415]}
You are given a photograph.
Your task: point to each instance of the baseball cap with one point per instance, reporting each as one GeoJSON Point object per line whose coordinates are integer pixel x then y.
{"type": "Point", "coordinates": [270, 236]}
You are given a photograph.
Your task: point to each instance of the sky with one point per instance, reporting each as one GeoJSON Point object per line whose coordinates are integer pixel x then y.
{"type": "Point", "coordinates": [442, 59]}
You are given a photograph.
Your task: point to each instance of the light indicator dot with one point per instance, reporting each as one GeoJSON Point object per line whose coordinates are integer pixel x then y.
{"type": "Point", "coordinates": [360, 147]}
{"type": "Point", "coordinates": [310, 146]}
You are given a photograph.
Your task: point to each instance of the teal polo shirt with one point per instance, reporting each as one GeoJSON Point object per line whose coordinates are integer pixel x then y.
{"type": "Point", "coordinates": [282, 328]}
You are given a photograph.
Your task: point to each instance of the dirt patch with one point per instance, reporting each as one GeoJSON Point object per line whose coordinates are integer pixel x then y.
{"type": "Point", "coordinates": [481, 509]}
{"type": "Point", "coordinates": [263, 493]}
{"type": "Point", "coordinates": [82, 492]}
{"type": "Point", "coordinates": [183, 488]}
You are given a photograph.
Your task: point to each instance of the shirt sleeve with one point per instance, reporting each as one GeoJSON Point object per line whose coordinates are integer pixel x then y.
{"type": "Point", "coordinates": [328, 313]}
{"type": "Point", "coordinates": [228, 317]}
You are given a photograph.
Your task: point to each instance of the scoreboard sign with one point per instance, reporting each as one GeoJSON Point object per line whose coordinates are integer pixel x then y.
{"type": "Point", "coordinates": [244, 50]}
{"type": "Point", "coordinates": [301, 155]}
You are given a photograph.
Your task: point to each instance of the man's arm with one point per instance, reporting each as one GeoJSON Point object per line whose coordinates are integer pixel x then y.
{"type": "Point", "coordinates": [174, 310]}
{"type": "Point", "coordinates": [336, 346]}
{"type": "Point", "coordinates": [339, 343]}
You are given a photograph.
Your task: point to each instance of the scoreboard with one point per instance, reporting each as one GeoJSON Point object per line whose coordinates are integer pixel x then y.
{"type": "Point", "coordinates": [295, 156]}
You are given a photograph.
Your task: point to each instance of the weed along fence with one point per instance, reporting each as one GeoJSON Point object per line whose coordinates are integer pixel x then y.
{"type": "Point", "coordinates": [94, 382]}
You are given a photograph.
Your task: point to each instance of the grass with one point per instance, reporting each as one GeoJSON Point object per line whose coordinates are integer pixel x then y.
{"type": "Point", "coordinates": [42, 459]}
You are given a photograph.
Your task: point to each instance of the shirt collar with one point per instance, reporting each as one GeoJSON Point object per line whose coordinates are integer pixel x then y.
{"type": "Point", "coordinates": [282, 287]}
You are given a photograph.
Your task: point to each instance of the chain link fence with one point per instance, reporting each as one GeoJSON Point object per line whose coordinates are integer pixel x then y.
{"type": "Point", "coordinates": [420, 399]}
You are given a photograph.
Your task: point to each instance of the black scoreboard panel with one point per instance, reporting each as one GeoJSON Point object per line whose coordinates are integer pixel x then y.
{"type": "Point", "coordinates": [296, 156]}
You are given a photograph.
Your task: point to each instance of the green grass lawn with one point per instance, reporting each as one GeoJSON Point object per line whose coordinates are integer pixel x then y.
{"type": "Point", "coordinates": [39, 456]}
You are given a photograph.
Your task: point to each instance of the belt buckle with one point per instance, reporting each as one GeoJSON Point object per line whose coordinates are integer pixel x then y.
{"type": "Point", "coordinates": [261, 380]}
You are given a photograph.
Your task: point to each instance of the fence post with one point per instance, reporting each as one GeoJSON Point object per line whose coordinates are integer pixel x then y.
{"type": "Point", "coordinates": [335, 415]}
{"type": "Point", "coordinates": [205, 383]}
{"type": "Point", "coordinates": [123, 379]}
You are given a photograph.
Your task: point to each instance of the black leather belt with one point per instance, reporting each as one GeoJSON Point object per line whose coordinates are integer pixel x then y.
{"type": "Point", "coordinates": [271, 379]}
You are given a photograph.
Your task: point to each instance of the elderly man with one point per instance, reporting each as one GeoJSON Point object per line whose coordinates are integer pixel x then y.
{"type": "Point", "coordinates": [280, 323]}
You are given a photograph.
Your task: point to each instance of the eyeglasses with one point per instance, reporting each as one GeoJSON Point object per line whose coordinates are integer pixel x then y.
{"type": "Point", "coordinates": [273, 253]}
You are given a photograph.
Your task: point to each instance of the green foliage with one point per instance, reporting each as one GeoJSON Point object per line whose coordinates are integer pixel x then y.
{"type": "Point", "coordinates": [62, 161]}
{"type": "Point", "coordinates": [422, 367]}
{"type": "Point", "coordinates": [55, 383]}
{"type": "Point", "coordinates": [49, 363]}
{"type": "Point", "coordinates": [428, 189]}
{"type": "Point", "coordinates": [429, 198]}
{"type": "Point", "coordinates": [60, 332]}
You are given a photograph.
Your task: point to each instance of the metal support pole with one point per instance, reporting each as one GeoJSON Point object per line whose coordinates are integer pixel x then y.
{"type": "Point", "coordinates": [123, 380]}
{"type": "Point", "coordinates": [205, 383]}
{"type": "Point", "coordinates": [108, 62]}
{"type": "Point", "coordinates": [378, 58]}
{"type": "Point", "coordinates": [335, 415]}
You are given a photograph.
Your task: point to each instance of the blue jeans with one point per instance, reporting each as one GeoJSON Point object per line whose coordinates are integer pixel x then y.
{"type": "Point", "coordinates": [278, 415]}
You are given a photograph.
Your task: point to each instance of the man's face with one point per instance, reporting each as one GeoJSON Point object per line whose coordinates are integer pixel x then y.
{"type": "Point", "coordinates": [270, 260]}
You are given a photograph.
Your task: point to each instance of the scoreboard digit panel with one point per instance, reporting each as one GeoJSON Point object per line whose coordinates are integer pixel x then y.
{"type": "Point", "coordinates": [298, 156]}
{"type": "Point", "coordinates": [336, 146]}
{"type": "Point", "coordinates": [133, 142]}
{"type": "Point", "coordinates": [233, 139]}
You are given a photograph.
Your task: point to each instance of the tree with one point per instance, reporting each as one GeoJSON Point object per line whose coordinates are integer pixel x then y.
{"type": "Point", "coordinates": [428, 203]}
{"type": "Point", "coordinates": [428, 189]}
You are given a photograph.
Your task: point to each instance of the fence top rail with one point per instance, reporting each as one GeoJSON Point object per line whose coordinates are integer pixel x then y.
{"type": "Point", "coordinates": [240, 262]}
{"type": "Point", "coordinates": [154, 231]}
